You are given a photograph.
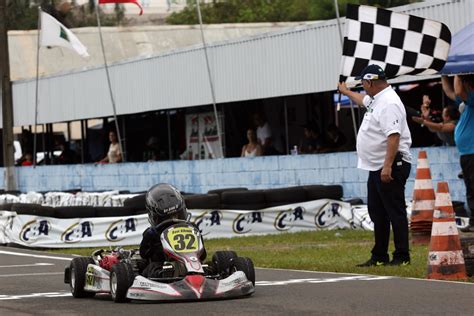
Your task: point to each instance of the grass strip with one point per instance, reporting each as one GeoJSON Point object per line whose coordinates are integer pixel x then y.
{"type": "Point", "coordinates": [328, 251]}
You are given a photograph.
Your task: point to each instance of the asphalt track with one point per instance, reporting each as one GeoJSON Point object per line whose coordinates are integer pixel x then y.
{"type": "Point", "coordinates": [31, 283]}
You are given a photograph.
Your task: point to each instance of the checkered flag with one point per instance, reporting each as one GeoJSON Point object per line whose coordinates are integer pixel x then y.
{"type": "Point", "coordinates": [399, 43]}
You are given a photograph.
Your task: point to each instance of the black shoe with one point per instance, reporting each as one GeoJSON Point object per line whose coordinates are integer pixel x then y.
{"type": "Point", "coordinates": [399, 262]}
{"type": "Point", "coordinates": [372, 263]}
{"type": "Point", "coordinates": [467, 229]}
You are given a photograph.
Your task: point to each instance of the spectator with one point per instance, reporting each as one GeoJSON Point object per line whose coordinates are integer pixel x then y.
{"type": "Point", "coordinates": [444, 129]}
{"type": "Point", "coordinates": [264, 134]}
{"type": "Point", "coordinates": [463, 93]}
{"type": "Point", "coordinates": [67, 156]}
{"type": "Point", "coordinates": [28, 160]}
{"type": "Point", "coordinates": [152, 151]}
{"type": "Point", "coordinates": [311, 143]}
{"type": "Point", "coordinates": [335, 139]}
{"type": "Point", "coordinates": [253, 148]}
{"type": "Point", "coordinates": [113, 155]}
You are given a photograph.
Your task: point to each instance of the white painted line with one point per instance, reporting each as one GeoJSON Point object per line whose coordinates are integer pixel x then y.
{"type": "Point", "coordinates": [34, 295]}
{"type": "Point", "coordinates": [322, 280]}
{"type": "Point", "coordinates": [33, 256]}
{"type": "Point", "coordinates": [29, 274]}
{"type": "Point", "coordinates": [28, 265]}
{"type": "Point", "coordinates": [342, 273]}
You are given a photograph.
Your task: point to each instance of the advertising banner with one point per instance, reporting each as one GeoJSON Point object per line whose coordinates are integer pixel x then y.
{"type": "Point", "coordinates": [202, 140]}
{"type": "Point", "coordinates": [47, 232]}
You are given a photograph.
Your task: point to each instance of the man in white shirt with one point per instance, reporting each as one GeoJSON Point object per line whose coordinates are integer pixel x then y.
{"type": "Point", "coordinates": [383, 148]}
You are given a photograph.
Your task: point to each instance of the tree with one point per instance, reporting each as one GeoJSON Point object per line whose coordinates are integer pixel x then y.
{"type": "Point", "coordinates": [243, 11]}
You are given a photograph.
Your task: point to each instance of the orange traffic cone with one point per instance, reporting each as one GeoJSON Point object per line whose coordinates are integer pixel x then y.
{"type": "Point", "coordinates": [445, 259]}
{"type": "Point", "coordinates": [423, 202]}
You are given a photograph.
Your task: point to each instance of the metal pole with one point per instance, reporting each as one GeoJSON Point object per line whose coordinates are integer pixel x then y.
{"type": "Point", "coordinates": [210, 76]}
{"type": "Point", "coordinates": [336, 7]}
{"type": "Point", "coordinates": [37, 86]}
{"type": "Point", "coordinates": [169, 136]}
{"type": "Point", "coordinates": [109, 83]}
{"type": "Point", "coordinates": [286, 126]}
{"type": "Point", "coordinates": [7, 102]}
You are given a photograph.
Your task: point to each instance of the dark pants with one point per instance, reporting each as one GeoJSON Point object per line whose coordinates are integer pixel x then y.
{"type": "Point", "coordinates": [467, 166]}
{"type": "Point", "coordinates": [386, 204]}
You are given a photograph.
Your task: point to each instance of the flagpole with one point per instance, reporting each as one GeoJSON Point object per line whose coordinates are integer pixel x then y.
{"type": "Point", "coordinates": [211, 83]}
{"type": "Point", "coordinates": [109, 83]}
{"type": "Point", "coordinates": [37, 86]}
{"type": "Point", "coordinates": [342, 48]}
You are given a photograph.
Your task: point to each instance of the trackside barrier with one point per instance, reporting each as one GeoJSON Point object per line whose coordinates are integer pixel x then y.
{"type": "Point", "coordinates": [423, 202]}
{"type": "Point", "coordinates": [445, 258]}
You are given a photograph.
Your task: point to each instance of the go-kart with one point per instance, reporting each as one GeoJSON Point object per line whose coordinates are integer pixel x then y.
{"type": "Point", "coordinates": [183, 276]}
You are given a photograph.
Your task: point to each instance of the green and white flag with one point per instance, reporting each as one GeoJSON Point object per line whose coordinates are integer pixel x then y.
{"type": "Point", "coordinates": [53, 33]}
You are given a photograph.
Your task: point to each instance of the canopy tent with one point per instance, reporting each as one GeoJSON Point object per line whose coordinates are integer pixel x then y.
{"type": "Point", "coordinates": [461, 55]}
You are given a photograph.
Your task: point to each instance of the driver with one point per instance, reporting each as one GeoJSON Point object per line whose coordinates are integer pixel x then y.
{"type": "Point", "coordinates": [163, 202]}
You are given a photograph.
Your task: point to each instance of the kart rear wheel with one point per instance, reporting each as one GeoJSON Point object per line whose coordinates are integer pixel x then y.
{"type": "Point", "coordinates": [78, 269]}
{"type": "Point", "coordinates": [222, 260]}
{"type": "Point", "coordinates": [121, 278]}
{"type": "Point", "coordinates": [245, 265]}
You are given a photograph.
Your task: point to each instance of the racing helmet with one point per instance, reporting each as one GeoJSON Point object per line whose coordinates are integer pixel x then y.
{"type": "Point", "coordinates": [163, 201]}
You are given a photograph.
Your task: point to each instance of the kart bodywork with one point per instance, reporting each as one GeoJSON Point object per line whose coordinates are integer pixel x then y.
{"type": "Point", "coordinates": [182, 277]}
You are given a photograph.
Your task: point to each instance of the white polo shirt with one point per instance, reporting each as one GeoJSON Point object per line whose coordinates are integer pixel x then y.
{"type": "Point", "coordinates": [385, 116]}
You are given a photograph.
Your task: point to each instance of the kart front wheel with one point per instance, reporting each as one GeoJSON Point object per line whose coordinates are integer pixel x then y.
{"type": "Point", "coordinates": [222, 260]}
{"type": "Point", "coordinates": [246, 266]}
{"type": "Point", "coordinates": [121, 278]}
{"type": "Point", "coordinates": [78, 269]}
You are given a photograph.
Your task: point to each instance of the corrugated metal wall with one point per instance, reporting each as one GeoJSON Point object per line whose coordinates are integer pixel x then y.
{"type": "Point", "coordinates": [299, 60]}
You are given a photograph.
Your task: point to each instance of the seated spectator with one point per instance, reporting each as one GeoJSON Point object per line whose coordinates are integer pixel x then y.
{"type": "Point", "coordinates": [67, 156]}
{"type": "Point", "coordinates": [28, 160]}
{"type": "Point", "coordinates": [114, 154]}
{"type": "Point", "coordinates": [152, 151]}
{"type": "Point", "coordinates": [335, 139]}
{"type": "Point", "coordinates": [253, 148]}
{"type": "Point", "coordinates": [445, 129]}
{"type": "Point", "coordinates": [312, 142]}
{"type": "Point", "coordinates": [264, 134]}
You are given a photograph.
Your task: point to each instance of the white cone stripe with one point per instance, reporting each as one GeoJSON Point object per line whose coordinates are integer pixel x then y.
{"type": "Point", "coordinates": [422, 164]}
{"type": "Point", "coordinates": [444, 258]}
{"type": "Point", "coordinates": [443, 199]}
{"type": "Point", "coordinates": [423, 205]}
{"type": "Point", "coordinates": [425, 184]}
{"type": "Point", "coordinates": [443, 214]}
{"type": "Point", "coordinates": [444, 229]}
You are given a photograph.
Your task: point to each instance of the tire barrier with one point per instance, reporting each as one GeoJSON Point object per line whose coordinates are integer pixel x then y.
{"type": "Point", "coordinates": [282, 196]}
{"type": "Point", "coordinates": [316, 192]}
{"type": "Point", "coordinates": [220, 191]}
{"type": "Point", "coordinates": [111, 203]}
{"type": "Point", "coordinates": [202, 201]}
{"type": "Point", "coordinates": [245, 200]}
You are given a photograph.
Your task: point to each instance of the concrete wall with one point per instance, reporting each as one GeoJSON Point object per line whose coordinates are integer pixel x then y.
{"type": "Point", "coordinates": [253, 173]}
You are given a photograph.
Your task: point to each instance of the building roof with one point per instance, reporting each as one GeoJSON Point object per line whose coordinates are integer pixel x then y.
{"type": "Point", "coordinates": [295, 60]}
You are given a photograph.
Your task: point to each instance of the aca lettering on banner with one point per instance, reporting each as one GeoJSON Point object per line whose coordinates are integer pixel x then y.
{"type": "Point", "coordinates": [207, 221]}
{"type": "Point", "coordinates": [286, 219]}
{"type": "Point", "coordinates": [77, 232]}
{"type": "Point", "coordinates": [243, 222]}
{"type": "Point", "coordinates": [328, 215]}
{"type": "Point", "coordinates": [118, 230]}
{"type": "Point", "coordinates": [32, 230]}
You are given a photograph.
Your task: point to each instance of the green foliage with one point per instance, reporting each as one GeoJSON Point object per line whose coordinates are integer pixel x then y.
{"type": "Point", "coordinates": [244, 11]}
{"type": "Point", "coordinates": [23, 14]}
